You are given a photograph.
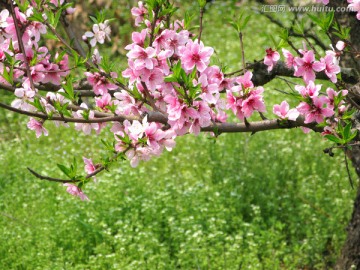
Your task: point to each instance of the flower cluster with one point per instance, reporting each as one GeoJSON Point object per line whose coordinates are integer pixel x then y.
{"type": "Point", "coordinates": [243, 98]}
{"type": "Point", "coordinates": [142, 140]}
{"type": "Point", "coordinates": [44, 68]}
{"type": "Point", "coordinates": [169, 73]}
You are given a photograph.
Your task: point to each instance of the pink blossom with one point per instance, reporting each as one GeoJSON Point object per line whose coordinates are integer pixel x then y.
{"type": "Point", "coordinates": [271, 58]}
{"type": "Point", "coordinates": [235, 104]}
{"type": "Point", "coordinates": [143, 58]}
{"type": "Point", "coordinates": [100, 83]}
{"type": "Point", "coordinates": [283, 111]}
{"type": "Point", "coordinates": [306, 66]}
{"type": "Point", "coordinates": [103, 102]}
{"type": "Point", "coordinates": [316, 110]}
{"type": "Point", "coordinates": [76, 191]}
{"type": "Point", "coordinates": [214, 75]}
{"type": "Point", "coordinates": [254, 102]}
{"type": "Point", "coordinates": [139, 13]}
{"type": "Point", "coordinates": [89, 166]}
{"type": "Point", "coordinates": [162, 40]}
{"type": "Point", "coordinates": [126, 104]}
{"type": "Point", "coordinates": [85, 127]}
{"type": "Point", "coordinates": [290, 59]}
{"type": "Point", "coordinates": [332, 94]}
{"type": "Point", "coordinates": [153, 78]}
{"type": "Point", "coordinates": [10, 26]}
{"type": "Point", "coordinates": [24, 95]}
{"type": "Point", "coordinates": [35, 29]}
{"type": "Point", "coordinates": [138, 39]}
{"type": "Point", "coordinates": [325, 2]}
{"type": "Point", "coordinates": [4, 14]}
{"type": "Point", "coordinates": [245, 80]}
{"type": "Point", "coordinates": [176, 41]}
{"type": "Point", "coordinates": [310, 90]}
{"type": "Point", "coordinates": [38, 127]}
{"type": "Point", "coordinates": [53, 74]}
{"type": "Point", "coordinates": [96, 57]}
{"type": "Point", "coordinates": [355, 6]}
{"type": "Point", "coordinates": [100, 32]}
{"type": "Point", "coordinates": [163, 58]}
{"type": "Point", "coordinates": [340, 45]}
{"type": "Point", "coordinates": [131, 72]}
{"type": "Point", "coordinates": [137, 154]}
{"type": "Point", "coordinates": [195, 54]}
{"type": "Point", "coordinates": [154, 134]}
{"type": "Point", "coordinates": [63, 65]}
{"type": "Point", "coordinates": [331, 66]}
{"type": "Point", "coordinates": [210, 92]}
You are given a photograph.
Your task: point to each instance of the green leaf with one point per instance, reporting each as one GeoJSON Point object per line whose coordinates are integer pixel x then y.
{"type": "Point", "coordinates": [6, 76]}
{"type": "Point", "coordinates": [9, 58]}
{"type": "Point", "coordinates": [333, 138]}
{"type": "Point", "coordinates": [202, 3]}
{"type": "Point", "coordinates": [64, 169]}
{"type": "Point", "coordinates": [352, 136]}
{"type": "Point", "coordinates": [37, 104]}
{"type": "Point", "coordinates": [347, 132]}
{"type": "Point", "coordinates": [284, 34]}
{"type": "Point", "coordinates": [246, 20]}
{"type": "Point", "coordinates": [170, 78]}
{"type": "Point", "coordinates": [188, 19]}
{"type": "Point", "coordinates": [328, 20]}
{"type": "Point", "coordinates": [57, 17]}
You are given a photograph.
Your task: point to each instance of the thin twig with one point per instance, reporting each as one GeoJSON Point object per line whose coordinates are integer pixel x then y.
{"type": "Point", "coordinates": [348, 171]}
{"type": "Point", "coordinates": [242, 71]}
{"type": "Point", "coordinates": [59, 180]}
{"type": "Point", "coordinates": [242, 51]}
{"type": "Point", "coordinates": [201, 24]}
{"type": "Point", "coordinates": [150, 99]}
{"type": "Point", "coordinates": [118, 118]}
{"type": "Point", "coordinates": [71, 34]}
{"type": "Point", "coordinates": [156, 11]}
{"type": "Point", "coordinates": [51, 179]}
{"type": "Point", "coordinates": [21, 45]}
{"type": "Point", "coordinates": [293, 33]}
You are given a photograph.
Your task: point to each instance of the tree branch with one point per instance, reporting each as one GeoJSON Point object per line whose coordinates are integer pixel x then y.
{"type": "Point", "coordinates": [261, 76]}
{"type": "Point", "coordinates": [51, 179]}
{"type": "Point", "coordinates": [21, 45]}
{"type": "Point", "coordinates": [254, 127]}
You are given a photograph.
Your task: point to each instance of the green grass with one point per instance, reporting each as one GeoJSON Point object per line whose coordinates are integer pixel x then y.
{"type": "Point", "coordinates": [268, 201]}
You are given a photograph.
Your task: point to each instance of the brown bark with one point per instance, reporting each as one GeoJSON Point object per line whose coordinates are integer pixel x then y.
{"type": "Point", "coordinates": [350, 253]}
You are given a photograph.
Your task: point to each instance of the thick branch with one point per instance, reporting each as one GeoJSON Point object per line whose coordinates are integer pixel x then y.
{"type": "Point", "coordinates": [260, 126]}
{"type": "Point", "coordinates": [261, 76]}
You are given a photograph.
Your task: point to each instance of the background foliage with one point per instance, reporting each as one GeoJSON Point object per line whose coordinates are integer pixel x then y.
{"type": "Point", "coordinates": [268, 201]}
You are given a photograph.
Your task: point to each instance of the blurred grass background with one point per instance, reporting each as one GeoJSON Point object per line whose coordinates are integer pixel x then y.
{"type": "Point", "coordinates": [268, 201]}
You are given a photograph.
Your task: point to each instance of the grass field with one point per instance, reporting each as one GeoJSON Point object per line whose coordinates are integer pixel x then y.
{"type": "Point", "coordinates": [268, 201]}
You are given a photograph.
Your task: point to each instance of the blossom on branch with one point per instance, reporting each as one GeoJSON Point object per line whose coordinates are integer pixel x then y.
{"type": "Point", "coordinates": [37, 127]}
{"type": "Point", "coordinates": [195, 54]}
{"type": "Point", "coordinates": [283, 111]}
{"type": "Point", "coordinates": [271, 58]}
{"type": "Point", "coordinates": [355, 6]}
{"type": "Point", "coordinates": [99, 33]}
{"type": "Point", "coordinates": [306, 66]}
{"type": "Point", "coordinates": [76, 191]}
